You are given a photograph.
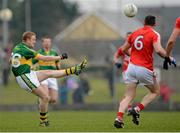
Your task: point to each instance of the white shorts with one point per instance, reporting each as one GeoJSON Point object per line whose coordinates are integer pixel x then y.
{"type": "Point", "coordinates": [28, 81]}
{"type": "Point", "coordinates": [51, 83]}
{"type": "Point", "coordinates": [139, 74]}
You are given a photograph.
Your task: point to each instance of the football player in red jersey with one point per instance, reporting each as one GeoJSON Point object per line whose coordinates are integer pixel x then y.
{"type": "Point", "coordinates": [172, 39]}
{"type": "Point", "coordinates": [142, 42]}
{"type": "Point", "coordinates": [125, 62]}
{"type": "Point", "coordinates": [124, 56]}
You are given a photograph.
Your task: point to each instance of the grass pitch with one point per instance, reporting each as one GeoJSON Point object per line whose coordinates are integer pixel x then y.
{"type": "Point", "coordinates": [98, 86]}
{"type": "Point", "coordinates": [88, 121]}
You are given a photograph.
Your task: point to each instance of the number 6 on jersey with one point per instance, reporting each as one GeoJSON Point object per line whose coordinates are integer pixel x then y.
{"type": "Point", "coordinates": [15, 60]}
{"type": "Point", "coordinates": [138, 44]}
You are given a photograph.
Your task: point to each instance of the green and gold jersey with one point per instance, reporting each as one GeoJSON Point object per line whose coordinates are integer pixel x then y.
{"type": "Point", "coordinates": [21, 59]}
{"type": "Point", "coordinates": [47, 65]}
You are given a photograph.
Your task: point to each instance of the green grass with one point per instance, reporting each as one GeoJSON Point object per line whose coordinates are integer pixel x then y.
{"type": "Point", "coordinates": [13, 94]}
{"type": "Point", "coordinates": [99, 87]}
{"type": "Point", "coordinates": [101, 92]}
{"type": "Point", "coordinates": [83, 121]}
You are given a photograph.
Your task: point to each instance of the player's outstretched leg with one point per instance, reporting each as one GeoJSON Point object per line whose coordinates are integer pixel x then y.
{"type": "Point", "coordinates": [80, 67]}
{"type": "Point", "coordinates": [77, 69]}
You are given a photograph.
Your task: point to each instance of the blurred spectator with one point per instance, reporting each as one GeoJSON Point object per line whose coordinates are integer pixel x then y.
{"type": "Point", "coordinates": [78, 96]}
{"type": "Point", "coordinates": [80, 88]}
{"type": "Point", "coordinates": [63, 92]}
{"type": "Point", "coordinates": [85, 84]}
{"type": "Point", "coordinates": [165, 92]}
{"type": "Point", "coordinates": [110, 76]}
{"type": "Point", "coordinates": [5, 65]}
{"type": "Point", "coordinates": [73, 83]}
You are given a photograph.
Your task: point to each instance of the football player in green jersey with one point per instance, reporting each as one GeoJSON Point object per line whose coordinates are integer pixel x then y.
{"type": "Point", "coordinates": [50, 85]}
{"type": "Point", "coordinates": [21, 62]}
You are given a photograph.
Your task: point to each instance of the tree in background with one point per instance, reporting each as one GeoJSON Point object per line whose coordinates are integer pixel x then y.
{"type": "Point", "coordinates": [47, 16]}
{"type": "Point", "coordinates": [52, 16]}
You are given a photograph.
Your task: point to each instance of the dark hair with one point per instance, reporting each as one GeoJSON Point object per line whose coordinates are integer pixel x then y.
{"type": "Point", "coordinates": [150, 20]}
{"type": "Point", "coordinates": [45, 37]}
{"type": "Point", "coordinates": [27, 35]}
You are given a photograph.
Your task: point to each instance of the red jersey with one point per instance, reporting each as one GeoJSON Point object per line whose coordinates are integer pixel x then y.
{"type": "Point", "coordinates": [177, 25]}
{"type": "Point", "coordinates": [142, 49]}
{"type": "Point", "coordinates": [125, 58]}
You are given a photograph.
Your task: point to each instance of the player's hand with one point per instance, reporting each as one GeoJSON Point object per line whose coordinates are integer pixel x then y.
{"type": "Point", "coordinates": [173, 61]}
{"type": "Point", "coordinates": [64, 56]}
{"type": "Point", "coordinates": [169, 61]}
{"type": "Point", "coordinates": [166, 62]}
{"type": "Point", "coordinates": [118, 65]}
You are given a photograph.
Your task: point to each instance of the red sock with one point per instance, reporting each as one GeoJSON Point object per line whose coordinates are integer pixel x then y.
{"type": "Point", "coordinates": [139, 107]}
{"type": "Point", "coordinates": [120, 115]}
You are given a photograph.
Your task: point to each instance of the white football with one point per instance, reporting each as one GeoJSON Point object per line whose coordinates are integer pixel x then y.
{"type": "Point", "coordinates": [130, 10]}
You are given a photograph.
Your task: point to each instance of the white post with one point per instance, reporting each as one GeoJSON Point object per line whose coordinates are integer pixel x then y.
{"type": "Point", "coordinates": [5, 26]}
{"type": "Point", "coordinates": [5, 16]}
{"type": "Point", "coordinates": [28, 15]}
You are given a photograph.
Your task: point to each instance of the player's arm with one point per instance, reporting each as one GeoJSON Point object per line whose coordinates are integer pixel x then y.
{"type": "Point", "coordinates": [122, 50]}
{"type": "Point", "coordinates": [128, 52]}
{"type": "Point", "coordinates": [57, 62]}
{"type": "Point", "coordinates": [159, 49]}
{"type": "Point", "coordinates": [125, 48]}
{"type": "Point", "coordinates": [47, 58]}
{"type": "Point", "coordinates": [157, 45]}
{"type": "Point", "coordinates": [117, 55]}
{"type": "Point", "coordinates": [172, 39]}
{"type": "Point", "coordinates": [51, 58]}
{"type": "Point", "coordinates": [162, 52]}
{"type": "Point", "coordinates": [57, 65]}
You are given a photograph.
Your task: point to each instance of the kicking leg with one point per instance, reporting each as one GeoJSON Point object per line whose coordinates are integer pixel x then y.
{"type": "Point", "coordinates": [44, 74]}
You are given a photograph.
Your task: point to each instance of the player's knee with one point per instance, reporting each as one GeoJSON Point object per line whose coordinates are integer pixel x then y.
{"type": "Point", "coordinates": [157, 92]}
{"type": "Point", "coordinates": [46, 98]}
{"type": "Point", "coordinates": [53, 101]}
{"type": "Point", "coordinates": [129, 97]}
